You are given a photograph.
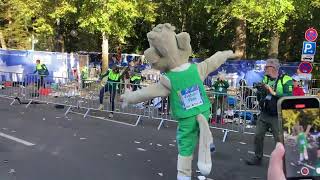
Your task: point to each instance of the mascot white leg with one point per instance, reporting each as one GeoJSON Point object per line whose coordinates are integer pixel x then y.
{"type": "Point", "coordinates": [205, 140]}
{"type": "Point", "coordinates": [184, 167]}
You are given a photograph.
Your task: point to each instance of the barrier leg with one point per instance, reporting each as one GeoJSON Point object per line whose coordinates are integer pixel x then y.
{"type": "Point", "coordinates": [18, 99]}
{"type": "Point", "coordinates": [225, 135]}
{"type": "Point", "coordinates": [14, 100]}
{"type": "Point", "coordinates": [138, 120]}
{"type": "Point", "coordinates": [86, 114]}
{"type": "Point", "coordinates": [161, 123]}
{"type": "Point", "coordinates": [28, 103]}
{"type": "Point", "coordinates": [78, 105]}
{"type": "Point", "coordinates": [68, 110]}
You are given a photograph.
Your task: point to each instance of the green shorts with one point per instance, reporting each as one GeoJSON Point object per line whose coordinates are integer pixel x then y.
{"type": "Point", "coordinates": [188, 134]}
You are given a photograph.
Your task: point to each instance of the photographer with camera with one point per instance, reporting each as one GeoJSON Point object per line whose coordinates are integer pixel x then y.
{"type": "Point", "coordinates": [274, 86]}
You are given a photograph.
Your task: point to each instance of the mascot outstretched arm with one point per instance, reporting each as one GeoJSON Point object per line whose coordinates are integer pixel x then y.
{"type": "Point", "coordinates": [183, 83]}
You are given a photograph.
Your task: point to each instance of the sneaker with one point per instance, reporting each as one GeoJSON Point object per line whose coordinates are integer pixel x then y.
{"type": "Point", "coordinates": [254, 161]}
{"type": "Point", "coordinates": [101, 107]}
{"type": "Point", "coordinates": [212, 148]}
{"type": "Point", "coordinates": [111, 115]}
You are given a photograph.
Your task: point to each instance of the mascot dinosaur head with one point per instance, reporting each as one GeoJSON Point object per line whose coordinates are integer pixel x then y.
{"type": "Point", "coordinates": [167, 49]}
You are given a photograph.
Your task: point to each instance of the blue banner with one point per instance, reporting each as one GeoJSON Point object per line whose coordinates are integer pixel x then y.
{"type": "Point", "coordinates": [60, 65]}
{"type": "Point", "coordinates": [250, 70]}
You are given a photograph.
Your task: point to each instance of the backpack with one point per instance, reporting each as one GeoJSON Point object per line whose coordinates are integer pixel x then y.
{"type": "Point", "coordinates": [270, 106]}
{"type": "Point", "coordinates": [45, 70]}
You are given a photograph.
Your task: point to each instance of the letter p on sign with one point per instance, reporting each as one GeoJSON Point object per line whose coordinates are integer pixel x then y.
{"type": "Point", "coordinates": [309, 48]}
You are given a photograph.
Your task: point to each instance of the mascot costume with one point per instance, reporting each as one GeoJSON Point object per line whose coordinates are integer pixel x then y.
{"type": "Point", "coordinates": [183, 83]}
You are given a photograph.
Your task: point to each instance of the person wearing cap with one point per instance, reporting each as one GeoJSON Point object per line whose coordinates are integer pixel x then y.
{"type": "Point", "coordinates": [276, 85]}
{"type": "Point", "coordinates": [297, 89]}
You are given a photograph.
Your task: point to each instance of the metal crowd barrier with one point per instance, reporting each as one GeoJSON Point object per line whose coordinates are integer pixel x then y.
{"type": "Point", "coordinates": [30, 88]}
{"type": "Point", "coordinates": [90, 97]}
{"type": "Point", "coordinates": [235, 111]}
{"type": "Point", "coordinates": [314, 83]}
{"type": "Point", "coordinates": [227, 111]}
{"type": "Point", "coordinates": [315, 92]}
{"type": "Point", "coordinates": [34, 88]}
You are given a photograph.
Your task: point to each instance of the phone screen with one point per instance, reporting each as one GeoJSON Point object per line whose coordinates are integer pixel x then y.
{"type": "Point", "coordinates": [301, 135]}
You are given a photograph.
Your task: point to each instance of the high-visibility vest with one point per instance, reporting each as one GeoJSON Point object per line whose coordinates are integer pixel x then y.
{"type": "Point", "coordinates": [113, 76]}
{"type": "Point", "coordinates": [135, 77]}
{"type": "Point", "coordinates": [85, 73]}
{"type": "Point", "coordinates": [278, 88]}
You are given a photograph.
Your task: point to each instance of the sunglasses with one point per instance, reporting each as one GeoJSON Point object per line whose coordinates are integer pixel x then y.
{"type": "Point", "coordinates": [268, 66]}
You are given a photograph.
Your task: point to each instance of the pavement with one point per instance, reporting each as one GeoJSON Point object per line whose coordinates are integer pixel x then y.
{"type": "Point", "coordinates": [40, 143]}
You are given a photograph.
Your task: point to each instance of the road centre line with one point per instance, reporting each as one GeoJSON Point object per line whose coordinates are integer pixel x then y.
{"type": "Point", "coordinates": [16, 139]}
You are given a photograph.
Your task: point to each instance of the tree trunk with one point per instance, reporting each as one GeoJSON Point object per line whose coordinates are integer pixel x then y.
{"type": "Point", "coordinates": [184, 9]}
{"type": "Point", "coordinates": [274, 45]}
{"type": "Point", "coordinates": [184, 22]}
{"type": "Point", "coordinates": [2, 41]}
{"type": "Point", "coordinates": [240, 39]}
{"type": "Point", "coordinates": [105, 48]}
{"type": "Point", "coordinates": [60, 43]}
{"type": "Point", "coordinates": [288, 55]}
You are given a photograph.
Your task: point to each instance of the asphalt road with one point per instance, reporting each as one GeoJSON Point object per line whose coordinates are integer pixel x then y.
{"type": "Point", "coordinates": [52, 146]}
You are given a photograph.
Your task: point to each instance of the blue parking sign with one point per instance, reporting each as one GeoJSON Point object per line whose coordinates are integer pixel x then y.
{"type": "Point", "coordinates": [309, 48]}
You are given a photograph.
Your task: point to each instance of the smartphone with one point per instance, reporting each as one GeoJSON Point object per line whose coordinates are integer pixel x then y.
{"type": "Point", "coordinates": [299, 118]}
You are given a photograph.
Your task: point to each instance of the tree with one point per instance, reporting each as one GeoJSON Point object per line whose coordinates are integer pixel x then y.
{"type": "Point", "coordinates": [290, 119]}
{"type": "Point", "coordinates": [193, 17]}
{"type": "Point", "coordinates": [51, 21]}
{"type": "Point", "coordinates": [21, 18]}
{"type": "Point", "coordinates": [15, 18]}
{"type": "Point", "coordinates": [113, 19]}
{"type": "Point", "coordinates": [257, 18]}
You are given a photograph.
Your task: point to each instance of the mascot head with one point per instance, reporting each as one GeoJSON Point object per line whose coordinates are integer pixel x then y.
{"type": "Point", "coordinates": [167, 49]}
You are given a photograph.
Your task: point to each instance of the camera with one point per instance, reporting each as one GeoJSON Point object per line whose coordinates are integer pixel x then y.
{"type": "Point", "coordinates": [261, 91]}
{"type": "Point", "coordinates": [259, 86]}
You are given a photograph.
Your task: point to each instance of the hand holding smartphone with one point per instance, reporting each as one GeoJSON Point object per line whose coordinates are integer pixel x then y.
{"type": "Point", "coordinates": [299, 119]}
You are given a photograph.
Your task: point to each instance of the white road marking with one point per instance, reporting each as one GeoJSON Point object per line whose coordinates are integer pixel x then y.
{"type": "Point", "coordinates": [307, 165]}
{"type": "Point", "coordinates": [16, 139]}
{"type": "Point", "coordinates": [265, 155]}
{"type": "Point", "coordinates": [104, 119]}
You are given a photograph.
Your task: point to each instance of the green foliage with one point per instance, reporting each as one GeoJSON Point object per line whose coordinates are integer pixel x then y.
{"type": "Point", "coordinates": [210, 23]}
{"type": "Point", "coordinates": [270, 15]}
{"type": "Point", "coordinates": [115, 17]}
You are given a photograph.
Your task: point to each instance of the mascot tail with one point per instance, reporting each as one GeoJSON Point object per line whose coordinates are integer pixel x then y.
{"type": "Point", "coordinates": [205, 140]}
